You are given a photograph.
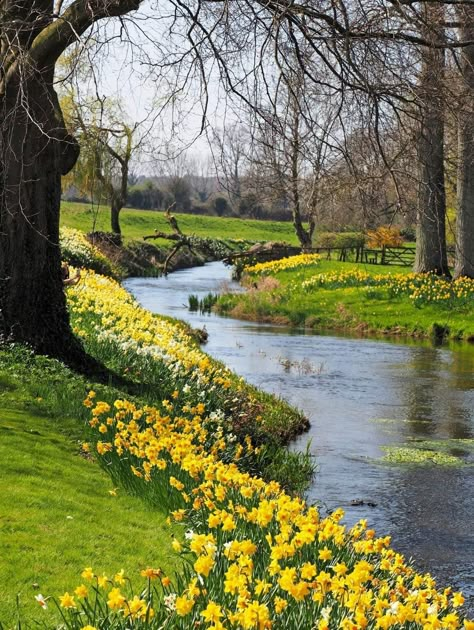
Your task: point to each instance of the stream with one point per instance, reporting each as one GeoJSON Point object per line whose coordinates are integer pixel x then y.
{"type": "Point", "coordinates": [359, 394]}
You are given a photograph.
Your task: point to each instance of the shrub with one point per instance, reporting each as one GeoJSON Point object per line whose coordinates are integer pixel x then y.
{"type": "Point", "coordinates": [220, 206]}
{"type": "Point", "coordinates": [340, 239]}
{"type": "Point", "coordinates": [384, 236]}
{"type": "Point", "coordinates": [408, 234]}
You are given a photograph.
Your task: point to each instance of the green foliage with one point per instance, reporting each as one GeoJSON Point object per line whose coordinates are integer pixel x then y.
{"type": "Point", "coordinates": [204, 305]}
{"type": "Point", "coordinates": [220, 206]}
{"type": "Point", "coordinates": [416, 455]}
{"type": "Point", "coordinates": [408, 234]}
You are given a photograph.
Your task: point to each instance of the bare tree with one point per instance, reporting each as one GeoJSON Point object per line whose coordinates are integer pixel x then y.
{"type": "Point", "coordinates": [202, 177]}
{"type": "Point", "coordinates": [292, 146]}
{"type": "Point", "coordinates": [112, 143]}
{"type": "Point", "coordinates": [229, 147]}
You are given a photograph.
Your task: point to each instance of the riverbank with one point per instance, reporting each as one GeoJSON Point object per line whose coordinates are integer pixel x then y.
{"type": "Point", "coordinates": [361, 395]}
{"type": "Point", "coordinates": [326, 295]}
{"type": "Point", "coordinates": [61, 511]}
{"type": "Point", "coordinates": [134, 256]}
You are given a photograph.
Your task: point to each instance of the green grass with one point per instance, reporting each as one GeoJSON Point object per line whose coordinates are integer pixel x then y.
{"type": "Point", "coordinates": [45, 479]}
{"type": "Point", "coordinates": [57, 516]}
{"type": "Point", "coordinates": [138, 223]}
{"type": "Point", "coordinates": [347, 308]}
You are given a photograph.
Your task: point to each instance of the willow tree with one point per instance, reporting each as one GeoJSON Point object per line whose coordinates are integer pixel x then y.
{"type": "Point", "coordinates": [35, 150]}
{"type": "Point", "coordinates": [111, 144]}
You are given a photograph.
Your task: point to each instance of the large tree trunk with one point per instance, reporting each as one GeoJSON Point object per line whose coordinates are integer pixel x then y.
{"type": "Point", "coordinates": [34, 151]}
{"type": "Point", "coordinates": [431, 253]}
{"type": "Point", "coordinates": [465, 180]}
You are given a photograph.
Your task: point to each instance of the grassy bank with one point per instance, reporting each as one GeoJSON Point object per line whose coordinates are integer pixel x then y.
{"type": "Point", "coordinates": [319, 294]}
{"type": "Point", "coordinates": [61, 512]}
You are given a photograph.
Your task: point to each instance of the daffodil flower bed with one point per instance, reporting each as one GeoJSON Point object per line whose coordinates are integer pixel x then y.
{"type": "Point", "coordinates": [420, 288]}
{"type": "Point", "coordinates": [146, 347]}
{"type": "Point", "coordinates": [113, 325]}
{"type": "Point", "coordinates": [284, 264]}
{"type": "Point", "coordinates": [333, 295]}
{"type": "Point", "coordinates": [78, 251]}
{"type": "Point", "coordinates": [253, 556]}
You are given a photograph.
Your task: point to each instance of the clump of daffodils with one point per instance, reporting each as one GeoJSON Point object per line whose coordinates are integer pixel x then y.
{"type": "Point", "coordinates": [253, 556]}
{"type": "Point", "coordinates": [79, 252]}
{"type": "Point", "coordinates": [283, 264]}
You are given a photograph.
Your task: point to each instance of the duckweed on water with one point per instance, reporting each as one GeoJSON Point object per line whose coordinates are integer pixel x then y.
{"type": "Point", "coordinates": [466, 444]}
{"type": "Point", "coordinates": [414, 455]}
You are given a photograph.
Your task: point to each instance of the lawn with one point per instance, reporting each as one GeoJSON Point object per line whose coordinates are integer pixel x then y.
{"type": "Point", "coordinates": [138, 223]}
{"type": "Point", "coordinates": [57, 514]}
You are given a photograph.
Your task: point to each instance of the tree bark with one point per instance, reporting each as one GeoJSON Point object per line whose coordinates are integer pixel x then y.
{"type": "Point", "coordinates": [431, 253]}
{"type": "Point", "coordinates": [35, 151]}
{"type": "Point", "coordinates": [465, 178]}
{"type": "Point", "coordinates": [115, 208]}
{"type": "Point", "coordinates": [304, 236]}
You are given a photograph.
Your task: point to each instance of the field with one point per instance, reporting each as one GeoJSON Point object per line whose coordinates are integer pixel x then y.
{"type": "Point", "coordinates": [138, 223]}
{"type": "Point", "coordinates": [324, 294]}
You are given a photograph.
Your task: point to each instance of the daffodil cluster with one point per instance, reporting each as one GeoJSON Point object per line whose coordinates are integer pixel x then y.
{"type": "Point", "coordinates": [78, 251]}
{"type": "Point", "coordinates": [420, 288]}
{"type": "Point", "coordinates": [106, 315]}
{"type": "Point", "coordinates": [284, 264]}
{"type": "Point", "coordinates": [254, 557]}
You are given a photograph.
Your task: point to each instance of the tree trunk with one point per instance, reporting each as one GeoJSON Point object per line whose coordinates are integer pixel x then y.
{"type": "Point", "coordinates": [114, 216]}
{"type": "Point", "coordinates": [431, 214]}
{"type": "Point", "coordinates": [465, 178]}
{"type": "Point", "coordinates": [34, 151]}
{"type": "Point", "coordinates": [304, 236]}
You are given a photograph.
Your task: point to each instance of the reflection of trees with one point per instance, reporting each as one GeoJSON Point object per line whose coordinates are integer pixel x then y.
{"type": "Point", "coordinates": [423, 378]}
{"type": "Point", "coordinates": [460, 382]}
{"type": "Point", "coordinates": [462, 368]}
{"type": "Point", "coordinates": [434, 395]}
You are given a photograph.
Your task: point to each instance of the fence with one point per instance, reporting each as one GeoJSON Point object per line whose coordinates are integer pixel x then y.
{"type": "Point", "coordinates": [401, 256]}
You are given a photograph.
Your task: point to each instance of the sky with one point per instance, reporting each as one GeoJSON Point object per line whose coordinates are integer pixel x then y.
{"type": "Point", "coordinates": [117, 70]}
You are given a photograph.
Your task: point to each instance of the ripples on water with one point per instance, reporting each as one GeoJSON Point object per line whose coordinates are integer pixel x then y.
{"type": "Point", "coordinates": [359, 395]}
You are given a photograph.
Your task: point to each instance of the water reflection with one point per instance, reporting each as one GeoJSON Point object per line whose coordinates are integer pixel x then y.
{"type": "Point", "coordinates": [359, 395]}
